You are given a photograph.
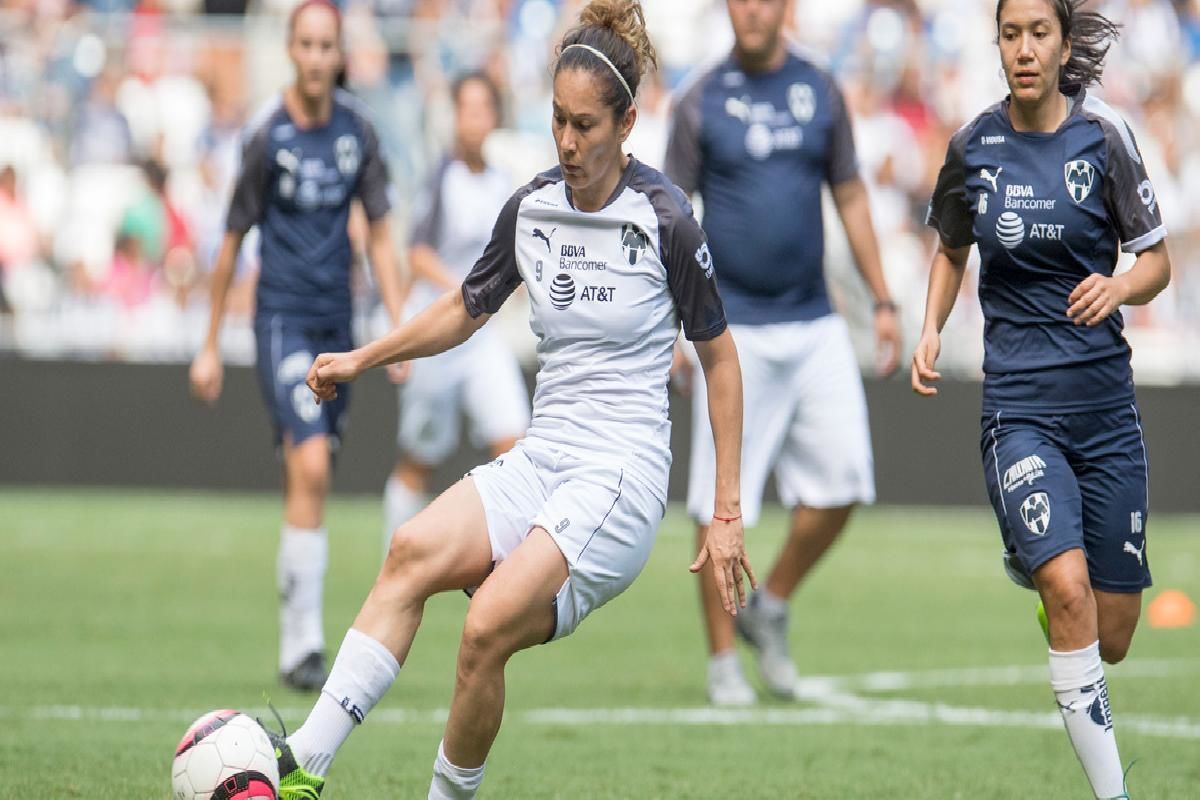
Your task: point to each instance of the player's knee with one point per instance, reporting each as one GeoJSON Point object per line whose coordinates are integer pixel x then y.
{"type": "Point", "coordinates": [483, 643]}
{"type": "Point", "coordinates": [310, 473]}
{"type": "Point", "coordinates": [1069, 598]}
{"type": "Point", "coordinates": [407, 552]}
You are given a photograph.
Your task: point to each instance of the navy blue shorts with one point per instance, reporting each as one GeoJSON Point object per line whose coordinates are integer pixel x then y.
{"type": "Point", "coordinates": [286, 350]}
{"type": "Point", "coordinates": [1064, 481]}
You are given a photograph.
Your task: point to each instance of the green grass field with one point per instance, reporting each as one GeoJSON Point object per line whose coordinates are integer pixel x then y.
{"type": "Point", "coordinates": [124, 615]}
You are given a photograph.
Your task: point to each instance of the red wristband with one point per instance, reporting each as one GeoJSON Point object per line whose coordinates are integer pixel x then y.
{"type": "Point", "coordinates": [727, 519]}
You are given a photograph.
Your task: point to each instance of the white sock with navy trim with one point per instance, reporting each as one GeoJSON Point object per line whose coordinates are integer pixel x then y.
{"type": "Point", "coordinates": [1077, 678]}
{"type": "Point", "coordinates": [451, 782]}
{"type": "Point", "coordinates": [362, 673]}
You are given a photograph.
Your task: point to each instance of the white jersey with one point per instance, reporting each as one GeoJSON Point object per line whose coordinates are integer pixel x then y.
{"type": "Point", "coordinates": [453, 216]}
{"type": "Point", "coordinates": [607, 291]}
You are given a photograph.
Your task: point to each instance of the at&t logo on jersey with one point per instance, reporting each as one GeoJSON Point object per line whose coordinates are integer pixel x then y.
{"type": "Point", "coordinates": [1080, 176]}
{"type": "Point", "coordinates": [562, 291]}
{"type": "Point", "coordinates": [1010, 230]}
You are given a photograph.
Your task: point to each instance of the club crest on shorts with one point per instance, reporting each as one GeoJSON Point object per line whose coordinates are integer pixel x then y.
{"type": "Point", "coordinates": [1079, 175]}
{"type": "Point", "coordinates": [1035, 511]}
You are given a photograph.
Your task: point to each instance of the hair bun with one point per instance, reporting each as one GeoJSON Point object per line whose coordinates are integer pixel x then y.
{"type": "Point", "coordinates": [625, 19]}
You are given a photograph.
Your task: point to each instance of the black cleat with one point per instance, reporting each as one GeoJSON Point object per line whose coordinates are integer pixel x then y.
{"type": "Point", "coordinates": [307, 676]}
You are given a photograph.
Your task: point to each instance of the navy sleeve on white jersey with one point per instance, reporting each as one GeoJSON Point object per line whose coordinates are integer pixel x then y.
{"type": "Point", "coordinates": [949, 209]}
{"type": "Point", "coordinates": [250, 188]}
{"type": "Point", "coordinates": [691, 278]}
{"type": "Point", "coordinates": [495, 275]}
{"type": "Point", "coordinates": [1128, 193]}
{"type": "Point", "coordinates": [373, 182]}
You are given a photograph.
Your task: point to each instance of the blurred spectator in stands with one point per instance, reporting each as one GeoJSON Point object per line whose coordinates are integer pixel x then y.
{"type": "Point", "coordinates": [102, 134]}
{"type": "Point", "coordinates": [131, 278]}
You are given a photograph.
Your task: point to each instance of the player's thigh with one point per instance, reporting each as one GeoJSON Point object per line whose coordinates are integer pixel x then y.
{"type": "Point", "coordinates": [768, 409]}
{"type": "Point", "coordinates": [1032, 488]}
{"type": "Point", "coordinates": [604, 520]}
{"type": "Point", "coordinates": [494, 393]}
{"type": "Point", "coordinates": [446, 545]}
{"type": "Point", "coordinates": [826, 459]}
{"type": "Point", "coordinates": [430, 401]}
{"type": "Point", "coordinates": [515, 607]}
{"type": "Point", "coordinates": [1110, 461]}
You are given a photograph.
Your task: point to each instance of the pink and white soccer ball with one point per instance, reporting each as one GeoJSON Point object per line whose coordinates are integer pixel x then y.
{"type": "Point", "coordinates": [225, 755]}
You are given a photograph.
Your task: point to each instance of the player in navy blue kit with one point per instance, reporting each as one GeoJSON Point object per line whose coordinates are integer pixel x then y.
{"type": "Point", "coordinates": [759, 136]}
{"type": "Point", "coordinates": [1048, 184]}
{"type": "Point", "coordinates": [305, 159]}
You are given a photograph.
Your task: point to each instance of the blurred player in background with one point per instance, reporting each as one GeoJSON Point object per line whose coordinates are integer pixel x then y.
{"type": "Point", "coordinates": [565, 521]}
{"type": "Point", "coordinates": [305, 159]}
{"type": "Point", "coordinates": [1049, 183]}
{"type": "Point", "coordinates": [453, 223]}
{"type": "Point", "coordinates": [758, 135]}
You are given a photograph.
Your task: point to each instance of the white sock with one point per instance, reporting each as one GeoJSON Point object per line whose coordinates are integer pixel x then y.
{"type": "Point", "coordinates": [300, 571]}
{"type": "Point", "coordinates": [724, 661]}
{"type": "Point", "coordinates": [1077, 678]}
{"type": "Point", "coordinates": [770, 604]}
{"type": "Point", "coordinates": [400, 504]}
{"type": "Point", "coordinates": [451, 782]}
{"type": "Point", "coordinates": [362, 673]}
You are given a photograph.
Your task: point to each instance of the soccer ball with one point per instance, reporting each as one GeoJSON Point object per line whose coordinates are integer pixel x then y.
{"type": "Point", "coordinates": [225, 756]}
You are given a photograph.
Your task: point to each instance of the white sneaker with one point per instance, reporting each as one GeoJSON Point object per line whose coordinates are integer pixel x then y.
{"type": "Point", "coordinates": [767, 634]}
{"type": "Point", "coordinates": [727, 685]}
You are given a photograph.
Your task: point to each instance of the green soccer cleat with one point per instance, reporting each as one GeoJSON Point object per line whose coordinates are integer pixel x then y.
{"type": "Point", "coordinates": [1045, 623]}
{"type": "Point", "coordinates": [295, 783]}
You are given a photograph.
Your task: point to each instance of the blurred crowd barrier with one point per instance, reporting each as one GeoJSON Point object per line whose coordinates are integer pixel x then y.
{"type": "Point", "coordinates": [120, 124]}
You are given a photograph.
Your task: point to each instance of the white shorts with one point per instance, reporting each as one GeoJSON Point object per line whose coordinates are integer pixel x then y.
{"type": "Point", "coordinates": [805, 413]}
{"type": "Point", "coordinates": [602, 518]}
{"type": "Point", "coordinates": [482, 380]}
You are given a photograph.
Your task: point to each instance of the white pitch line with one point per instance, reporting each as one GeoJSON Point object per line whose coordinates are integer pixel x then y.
{"type": "Point", "coordinates": [865, 712]}
{"type": "Point", "coordinates": [836, 704]}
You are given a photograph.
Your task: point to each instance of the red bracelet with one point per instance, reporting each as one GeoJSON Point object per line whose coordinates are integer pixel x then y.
{"type": "Point", "coordinates": [727, 519]}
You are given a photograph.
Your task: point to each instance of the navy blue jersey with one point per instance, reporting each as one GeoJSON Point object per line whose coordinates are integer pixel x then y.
{"type": "Point", "coordinates": [297, 184]}
{"type": "Point", "coordinates": [1047, 210]}
{"type": "Point", "coordinates": [758, 147]}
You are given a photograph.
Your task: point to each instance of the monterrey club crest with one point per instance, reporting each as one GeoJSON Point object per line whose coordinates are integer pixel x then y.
{"type": "Point", "coordinates": [1035, 512]}
{"type": "Point", "coordinates": [634, 242]}
{"type": "Point", "coordinates": [1079, 175]}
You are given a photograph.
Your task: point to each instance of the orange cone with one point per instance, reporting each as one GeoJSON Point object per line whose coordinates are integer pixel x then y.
{"type": "Point", "coordinates": [1171, 609]}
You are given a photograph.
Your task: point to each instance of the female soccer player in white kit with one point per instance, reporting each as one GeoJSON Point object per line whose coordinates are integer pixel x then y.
{"type": "Point", "coordinates": [613, 262]}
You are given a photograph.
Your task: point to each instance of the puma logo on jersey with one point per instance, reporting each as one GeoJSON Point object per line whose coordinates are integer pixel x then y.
{"type": "Point", "coordinates": [990, 178]}
{"type": "Point", "coordinates": [1140, 554]}
{"type": "Point", "coordinates": [539, 234]}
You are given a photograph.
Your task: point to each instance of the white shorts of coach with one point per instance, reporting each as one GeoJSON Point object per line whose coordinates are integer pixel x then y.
{"type": "Point", "coordinates": [480, 379]}
{"type": "Point", "coordinates": [805, 414]}
{"type": "Point", "coordinates": [603, 519]}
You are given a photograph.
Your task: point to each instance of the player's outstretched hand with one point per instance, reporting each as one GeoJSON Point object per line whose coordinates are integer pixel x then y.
{"type": "Point", "coordinates": [206, 376]}
{"type": "Point", "coordinates": [1094, 299]}
{"type": "Point", "coordinates": [330, 369]}
{"type": "Point", "coordinates": [725, 548]}
{"type": "Point", "coordinates": [923, 360]}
